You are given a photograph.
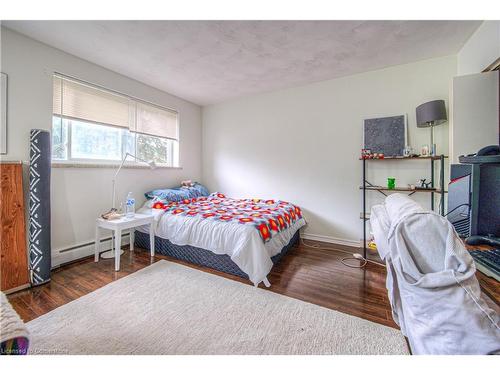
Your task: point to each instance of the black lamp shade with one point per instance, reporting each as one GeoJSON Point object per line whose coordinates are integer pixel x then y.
{"type": "Point", "coordinates": [431, 113]}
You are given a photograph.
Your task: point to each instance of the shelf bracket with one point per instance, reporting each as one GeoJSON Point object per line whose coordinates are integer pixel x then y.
{"type": "Point", "coordinates": [370, 184]}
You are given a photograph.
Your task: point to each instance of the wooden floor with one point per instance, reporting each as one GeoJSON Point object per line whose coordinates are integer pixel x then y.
{"type": "Point", "coordinates": [311, 275]}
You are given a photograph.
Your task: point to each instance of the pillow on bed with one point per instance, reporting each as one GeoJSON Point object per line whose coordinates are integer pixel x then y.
{"type": "Point", "coordinates": [179, 193]}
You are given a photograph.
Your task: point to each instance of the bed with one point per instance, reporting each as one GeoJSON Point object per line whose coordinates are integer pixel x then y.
{"type": "Point", "coordinates": [243, 237]}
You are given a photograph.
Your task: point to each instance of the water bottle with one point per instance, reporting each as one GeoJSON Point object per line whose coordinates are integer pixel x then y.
{"type": "Point", "coordinates": [130, 206]}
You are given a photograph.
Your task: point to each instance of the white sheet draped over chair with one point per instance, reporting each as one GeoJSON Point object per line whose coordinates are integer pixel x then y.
{"type": "Point", "coordinates": [434, 294]}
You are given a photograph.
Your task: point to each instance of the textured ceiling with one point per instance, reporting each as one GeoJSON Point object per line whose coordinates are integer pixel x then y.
{"type": "Point", "coordinates": [211, 61]}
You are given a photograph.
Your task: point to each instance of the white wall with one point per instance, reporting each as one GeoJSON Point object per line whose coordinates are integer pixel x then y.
{"type": "Point", "coordinates": [475, 94]}
{"type": "Point", "coordinates": [475, 113]}
{"type": "Point", "coordinates": [79, 195]}
{"type": "Point", "coordinates": [482, 49]}
{"type": "Point", "coordinates": [303, 144]}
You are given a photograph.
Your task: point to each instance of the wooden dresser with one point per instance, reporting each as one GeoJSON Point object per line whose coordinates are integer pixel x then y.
{"type": "Point", "coordinates": [13, 254]}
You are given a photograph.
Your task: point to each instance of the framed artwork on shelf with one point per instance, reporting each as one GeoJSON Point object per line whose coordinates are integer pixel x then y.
{"type": "Point", "coordinates": [386, 135]}
{"type": "Point", "coordinates": [3, 114]}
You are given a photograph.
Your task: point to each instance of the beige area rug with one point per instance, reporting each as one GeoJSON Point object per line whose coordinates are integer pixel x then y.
{"type": "Point", "coordinates": [167, 308]}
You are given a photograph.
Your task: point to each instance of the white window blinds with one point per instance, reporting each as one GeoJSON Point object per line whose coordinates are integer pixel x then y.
{"type": "Point", "coordinates": [80, 101]}
{"type": "Point", "coordinates": [155, 121]}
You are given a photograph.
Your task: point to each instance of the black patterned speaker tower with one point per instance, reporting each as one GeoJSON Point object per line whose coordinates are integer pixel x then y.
{"type": "Point", "coordinates": [39, 206]}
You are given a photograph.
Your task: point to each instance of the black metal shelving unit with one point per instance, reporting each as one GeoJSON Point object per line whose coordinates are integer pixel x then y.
{"type": "Point", "coordinates": [367, 186]}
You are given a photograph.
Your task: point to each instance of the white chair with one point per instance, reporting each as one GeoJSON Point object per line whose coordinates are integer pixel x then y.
{"type": "Point", "coordinates": [434, 293]}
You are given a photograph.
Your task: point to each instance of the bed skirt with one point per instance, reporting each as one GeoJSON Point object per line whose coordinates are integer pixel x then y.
{"type": "Point", "coordinates": [202, 257]}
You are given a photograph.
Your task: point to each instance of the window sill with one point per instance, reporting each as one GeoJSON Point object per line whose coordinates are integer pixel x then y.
{"type": "Point", "coordinates": [60, 164]}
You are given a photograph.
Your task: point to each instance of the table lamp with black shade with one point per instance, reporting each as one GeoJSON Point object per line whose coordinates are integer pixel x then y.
{"type": "Point", "coordinates": [431, 114]}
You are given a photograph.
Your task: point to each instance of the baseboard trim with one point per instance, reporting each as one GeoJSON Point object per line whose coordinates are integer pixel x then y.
{"type": "Point", "coordinates": [76, 252]}
{"type": "Point", "coordinates": [329, 239]}
{"type": "Point", "coordinates": [16, 289]}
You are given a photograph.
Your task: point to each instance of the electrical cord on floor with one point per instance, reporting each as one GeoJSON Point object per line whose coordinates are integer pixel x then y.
{"type": "Point", "coordinates": [355, 256]}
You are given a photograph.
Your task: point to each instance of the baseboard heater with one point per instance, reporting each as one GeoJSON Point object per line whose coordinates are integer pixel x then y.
{"type": "Point", "coordinates": [83, 245]}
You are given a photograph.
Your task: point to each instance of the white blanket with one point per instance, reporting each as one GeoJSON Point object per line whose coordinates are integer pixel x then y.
{"type": "Point", "coordinates": [435, 296]}
{"type": "Point", "coordinates": [241, 242]}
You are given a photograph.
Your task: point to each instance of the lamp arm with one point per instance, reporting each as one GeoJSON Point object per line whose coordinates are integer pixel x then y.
{"type": "Point", "coordinates": [113, 194]}
{"type": "Point", "coordinates": [122, 163]}
{"type": "Point", "coordinates": [113, 197]}
{"type": "Point", "coordinates": [139, 159]}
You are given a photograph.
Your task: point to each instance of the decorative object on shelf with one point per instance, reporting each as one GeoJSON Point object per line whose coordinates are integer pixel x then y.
{"type": "Point", "coordinates": [3, 114]}
{"type": "Point", "coordinates": [425, 150]}
{"type": "Point", "coordinates": [39, 206]}
{"type": "Point", "coordinates": [408, 152]}
{"type": "Point", "coordinates": [391, 183]}
{"type": "Point", "coordinates": [152, 165]}
{"type": "Point", "coordinates": [366, 154]}
{"type": "Point", "coordinates": [386, 135]}
{"type": "Point", "coordinates": [431, 114]}
{"type": "Point", "coordinates": [424, 184]}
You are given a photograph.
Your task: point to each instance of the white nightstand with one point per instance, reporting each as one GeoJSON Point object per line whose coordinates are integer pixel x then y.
{"type": "Point", "coordinates": [117, 226]}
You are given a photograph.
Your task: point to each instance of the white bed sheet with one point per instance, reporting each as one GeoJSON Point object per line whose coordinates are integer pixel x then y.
{"type": "Point", "coordinates": [241, 242]}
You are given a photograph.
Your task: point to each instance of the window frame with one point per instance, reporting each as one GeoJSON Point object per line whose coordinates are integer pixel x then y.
{"type": "Point", "coordinates": [70, 160]}
{"type": "Point", "coordinates": [173, 148]}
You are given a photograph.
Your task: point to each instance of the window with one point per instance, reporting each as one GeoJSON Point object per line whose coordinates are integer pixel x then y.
{"type": "Point", "coordinates": [93, 125]}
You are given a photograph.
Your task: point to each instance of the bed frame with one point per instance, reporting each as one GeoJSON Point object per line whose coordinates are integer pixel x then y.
{"type": "Point", "coordinates": [202, 257]}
